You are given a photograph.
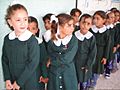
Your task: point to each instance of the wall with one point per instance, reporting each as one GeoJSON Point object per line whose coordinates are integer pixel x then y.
{"type": "Point", "coordinates": [38, 8]}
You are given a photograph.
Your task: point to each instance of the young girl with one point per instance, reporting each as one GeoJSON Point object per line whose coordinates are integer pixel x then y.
{"type": "Point", "coordinates": [103, 44]}
{"type": "Point", "coordinates": [62, 48]}
{"type": "Point", "coordinates": [110, 26]}
{"type": "Point", "coordinates": [47, 25]}
{"type": "Point", "coordinates": [86, 53]}
{"type": "Point", "coordinates": [20, 58]}
{"type": "Point", "coordinates": [33, 27]}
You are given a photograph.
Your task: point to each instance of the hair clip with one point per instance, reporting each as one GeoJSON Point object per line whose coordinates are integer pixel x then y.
{"type": "Point", "coordinates": [14, 2]}
{"type": "Point", "coordinates": [53, 18]}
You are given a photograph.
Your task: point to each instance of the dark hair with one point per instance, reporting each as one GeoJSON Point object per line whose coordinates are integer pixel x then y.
{"type": "Point", "coordinates": [102, 14]}
{"type": "Point", "coordinates": [33, 19]}
{"type": "Point", "coordinates": [85, 16]}
{"type": "Point", "coordinates": [74, 10]}
{"type": "Point", "coordinates": [47, 16]}
{"type": "Point", "coordinates": [11, 10]}
{"type": "Point", "coordinates": [62, 20]}
{"type": "Point", "coordinates": [113, 9]}
{"type": "Point", "coordinates": [108, 13]}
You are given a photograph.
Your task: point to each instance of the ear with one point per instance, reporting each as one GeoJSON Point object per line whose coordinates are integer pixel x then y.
{"type": "Point", "coordinates": [9, 22]}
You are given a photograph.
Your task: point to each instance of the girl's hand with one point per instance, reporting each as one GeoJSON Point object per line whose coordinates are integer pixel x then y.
{"type": "Point", "coordinates": [48, 63]}
{"type": "Point", "coordinates": [103, 61]}
{"type": "Point", "coordinates": [8, 85]}
{"type": "Point", "coordinates": [16, 86]}
{"type": "Point", "coordinates": [44, 80]}
{"type": "Point", "coordinates": [114, 49]}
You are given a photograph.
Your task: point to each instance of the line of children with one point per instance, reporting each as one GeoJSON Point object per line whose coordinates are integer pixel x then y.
{"type": "Point", "coordinates": [103, 41]}
{"type": "Point", "coordinates": [86, 53]}
{"type": "Point", "coordinates": [70, 58]}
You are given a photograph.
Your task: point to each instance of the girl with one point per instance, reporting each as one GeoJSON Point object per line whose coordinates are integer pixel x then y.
{"type": "Point", "coordinates": [33, 27]}
{"type": "Point", "coordinates": [62, 48]}
{"type": "Point", "coordinates": [110, 26]}
{"type": "Point", "coordinates": [86, 53]}
{"type": "Point", "coordinates": [47, 25]}
{"type": "Point", "coordinates": [103, 44]}
{"type": "Point", "coordinates": [20, 58]}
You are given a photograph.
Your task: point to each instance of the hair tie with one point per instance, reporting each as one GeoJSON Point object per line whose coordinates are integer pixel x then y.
{"type": "Point", "coordinates": [53, 18]}
{"type": "Point", "coordinates": [108, 12]}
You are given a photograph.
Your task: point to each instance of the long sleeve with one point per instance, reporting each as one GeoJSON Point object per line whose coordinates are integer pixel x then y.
{"type": "Point", "coordinates": [5, 63]}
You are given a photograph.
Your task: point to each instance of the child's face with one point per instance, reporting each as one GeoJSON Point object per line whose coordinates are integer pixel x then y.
{"type": "Point", "coordinates": [68, 28]}
{"type": "Point", "coordinates": [111, 18]}
{"type": "Point", "coordinates": [47, 24]}
{"type": "Point", "coordinates": [76, 17]}
{"type": "Point", "coordinates": [85, 24]}
{"type": "Point", "coordinates": [19, 20]}
{"type": "Point", "coordinates": [33, 27]}
{"type": "Point", "coordinates": [98, 21]}
{"type": "Point", "coordinates": [117, 16]}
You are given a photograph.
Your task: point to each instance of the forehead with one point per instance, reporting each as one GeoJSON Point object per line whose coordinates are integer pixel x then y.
{"type": "Point", "coordinates": [77, 14]}
{"type": "Point", "coordinates": [71, 21]}
{"type": "Point", "coordinates": [88, 19]}
{"type": "Point", "coordinates": [20, 13]}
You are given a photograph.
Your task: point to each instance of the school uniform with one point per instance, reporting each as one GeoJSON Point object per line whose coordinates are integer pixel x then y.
{"type": "Point", "coordinates": [103, 42]}
{"type": "Point", "coordinates": [85, 56]}
{"type": "Point", "coordinates": [62, 73]}
{"type": "Point", "coordinates": [108, 65]}
{"type": "Point", "coordinates": [42, 64]}
{"type": "Point", "coordinates": [20, 60]}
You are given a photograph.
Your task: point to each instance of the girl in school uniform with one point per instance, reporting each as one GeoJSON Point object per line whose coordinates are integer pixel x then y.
{"type": "Point", "coordinates": [20, 53]}
{"type": "Point", "coordinates": [103, 44]}
{"type": "Point", "coordinates": [47, 25]}
{"type": "Point", "coordinates": [33, 27]}
{"type": "Point", "coordinates": [61, 49]}
{"type": "Point", "coordinates": [86, 52]}
{"type": "Point", "coordinates": [117, 26]}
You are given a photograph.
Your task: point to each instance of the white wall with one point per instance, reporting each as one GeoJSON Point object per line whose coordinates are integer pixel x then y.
{"type": "Point", "coordinates": [38, 8]}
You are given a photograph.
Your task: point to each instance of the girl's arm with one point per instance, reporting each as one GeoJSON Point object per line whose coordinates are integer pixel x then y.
{"type": "Point", "coordinates": [5, 62]}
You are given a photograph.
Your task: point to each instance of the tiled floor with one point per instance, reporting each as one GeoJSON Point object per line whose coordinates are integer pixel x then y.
{"type": "Point", "coordinates": [109, 84]}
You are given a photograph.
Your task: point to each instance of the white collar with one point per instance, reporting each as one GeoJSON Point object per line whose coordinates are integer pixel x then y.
{"type": "Point", "coordinates": [63, 41]}
{"type": "Point", "coordinates": [81, 37]}
{"type": "Point", "coordinates": [47, 35]}
{"type": "Point", "coordinates": [117, 22]}
{"type": "Point", "coordinates": [39, 40]}
{"type": "Point", "coordinates": [109, 26]}
{"type": "Point", "coordinates": [100, 30]}
{"type": "Point", "coordinates": [23, 37]}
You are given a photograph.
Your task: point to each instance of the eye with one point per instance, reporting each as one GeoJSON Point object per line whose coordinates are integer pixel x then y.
{"type": "Point", "coordinates": [26, 19]}
{"type": "Point", "coordinates": [18, 20]}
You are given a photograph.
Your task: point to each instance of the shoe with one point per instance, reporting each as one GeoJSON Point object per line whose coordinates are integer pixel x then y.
{"type": "Point", "coordinates": [107, 76]}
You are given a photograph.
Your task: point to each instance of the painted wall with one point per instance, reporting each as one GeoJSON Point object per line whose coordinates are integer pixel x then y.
{"type": "Point", "coordinates": [38, 8]}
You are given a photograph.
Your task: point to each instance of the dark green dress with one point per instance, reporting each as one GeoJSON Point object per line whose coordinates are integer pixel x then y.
{"type": "Point", "coordinates": [103, 40]}
{"type": "Point", "coordinates": [20, 60]}
{"type": "Point", "coordinates": [43, 58]}
{"type": "Point", "coordinates": [62, 73]}
{"type": "Point", "coordinates": [85, 56]}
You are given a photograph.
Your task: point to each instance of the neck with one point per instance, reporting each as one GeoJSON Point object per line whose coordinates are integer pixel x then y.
{"type": "Point", "coordinates": [100, 26]}
{"type": "Point", "coordinates": [83, 32]}
{"type": "Point", "coordinates": [62, 35]}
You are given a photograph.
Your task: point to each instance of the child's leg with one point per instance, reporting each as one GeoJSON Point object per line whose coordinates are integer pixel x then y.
{"type": "Point", "coordinates": [94, 79]}
{"type": "Point", "coordinates": [108, 68]}
{"type": "Point", "coordinates": [115, 68]}
{"type": "Point", "coordinates": [83, 86]}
